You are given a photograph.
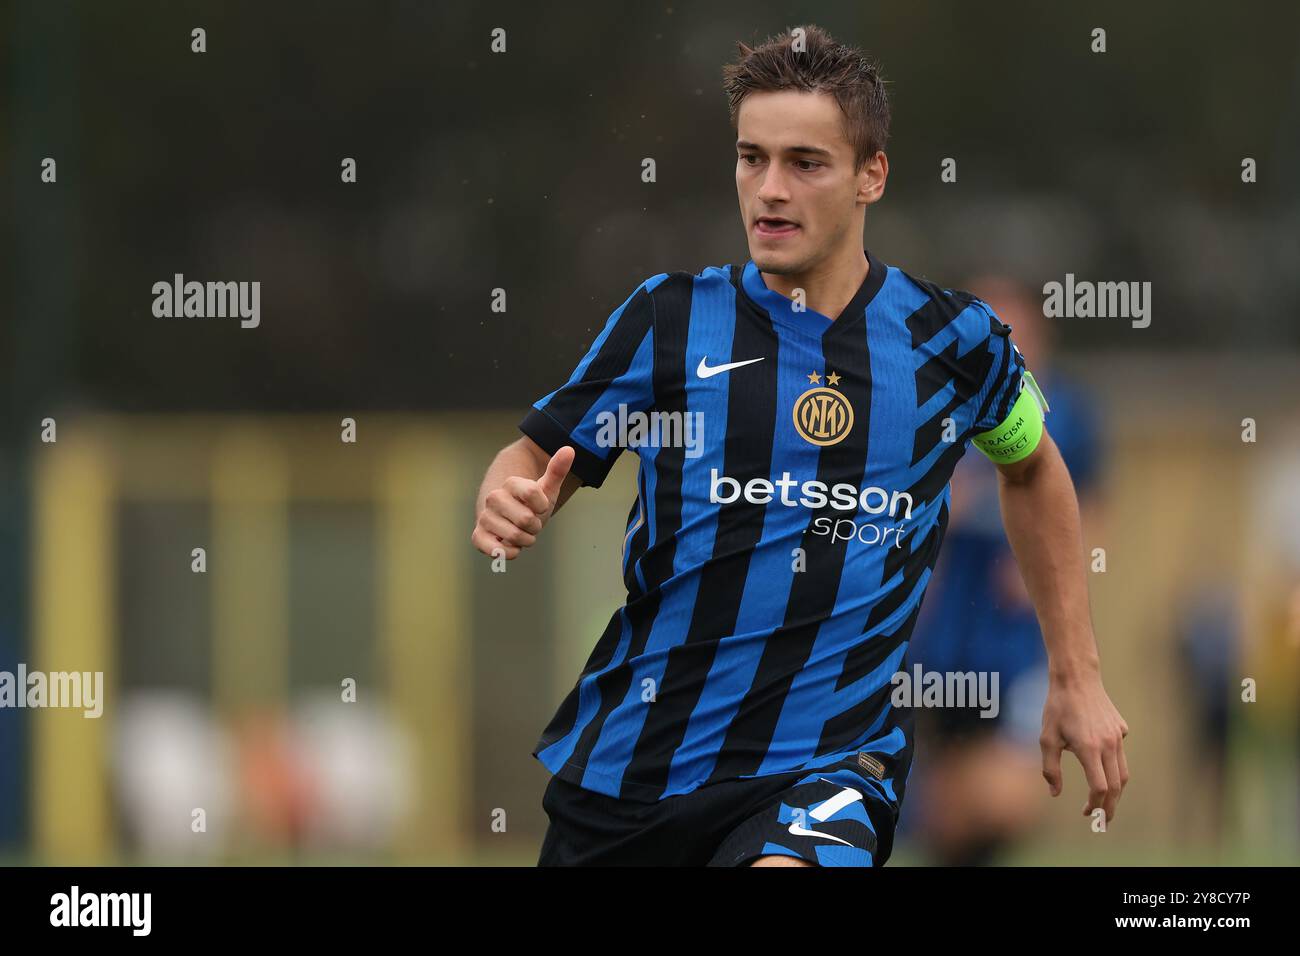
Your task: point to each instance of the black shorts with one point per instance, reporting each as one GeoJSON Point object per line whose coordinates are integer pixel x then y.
{"type": "Point", "coordinates": [834, 816]}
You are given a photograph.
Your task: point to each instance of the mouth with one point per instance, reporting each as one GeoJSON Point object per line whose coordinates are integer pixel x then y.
{"type": "Point", "coordinates": [774, 227]}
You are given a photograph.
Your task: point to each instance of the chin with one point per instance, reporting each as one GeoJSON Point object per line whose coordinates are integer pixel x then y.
{"type": "Point", "coordinates": [775, 263]}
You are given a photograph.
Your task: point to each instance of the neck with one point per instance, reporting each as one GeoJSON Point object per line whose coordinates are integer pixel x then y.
{"type": "Point", "coordinates": [829, 286]}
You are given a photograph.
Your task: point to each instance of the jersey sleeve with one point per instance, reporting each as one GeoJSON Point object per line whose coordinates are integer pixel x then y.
{"type": "Point", "coordinates": [614, 379]}
{"type": "Point", "coordinates": [1010, 406]}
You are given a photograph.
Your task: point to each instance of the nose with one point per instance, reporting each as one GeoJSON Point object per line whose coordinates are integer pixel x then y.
{"type": "Point", "coordinates": [772, 189]}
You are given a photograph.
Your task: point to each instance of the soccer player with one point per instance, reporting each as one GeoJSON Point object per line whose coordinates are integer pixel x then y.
{"type": "Point", "coordinates": [737, 709]}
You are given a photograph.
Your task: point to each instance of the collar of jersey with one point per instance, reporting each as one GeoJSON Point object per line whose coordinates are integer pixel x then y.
{"type": "Point", "coordinates": [809, 320]}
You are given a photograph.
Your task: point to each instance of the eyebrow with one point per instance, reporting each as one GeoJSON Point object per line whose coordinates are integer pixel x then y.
{"type": "Point", "coordinates": [814, 150]}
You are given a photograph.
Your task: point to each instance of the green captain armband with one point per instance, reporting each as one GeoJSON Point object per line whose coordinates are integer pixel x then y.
{"type": "Point", "coordinates": [1020, 433]}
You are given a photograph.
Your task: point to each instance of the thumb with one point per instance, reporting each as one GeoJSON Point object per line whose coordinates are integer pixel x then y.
{"type": "Point", "coordinates": [556, 471]}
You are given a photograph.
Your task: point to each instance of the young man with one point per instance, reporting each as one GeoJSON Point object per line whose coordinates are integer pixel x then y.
{"type": "Point", "coordinates": [737, 709]}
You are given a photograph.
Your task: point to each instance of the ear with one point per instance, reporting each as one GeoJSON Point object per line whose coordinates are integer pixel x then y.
{"type": "Point", "coordinates": [872, 177]}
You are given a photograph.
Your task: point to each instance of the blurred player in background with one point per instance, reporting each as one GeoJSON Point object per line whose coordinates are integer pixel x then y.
{"type": "Point", "coordinates": [976, 782]}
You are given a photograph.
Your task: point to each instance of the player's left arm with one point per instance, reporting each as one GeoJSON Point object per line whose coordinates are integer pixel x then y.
{"type": "Point", "coordinates": [1040, 513]}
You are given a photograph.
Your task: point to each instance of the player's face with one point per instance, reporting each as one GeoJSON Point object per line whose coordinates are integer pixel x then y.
{"type": "Point", "coordinates": [800, 197]}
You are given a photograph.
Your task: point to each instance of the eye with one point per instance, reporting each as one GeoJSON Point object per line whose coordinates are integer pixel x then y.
{"type": "Point", "coordinates": [808, 163]}
{"type": "Point", "coordinates": [746, 157]}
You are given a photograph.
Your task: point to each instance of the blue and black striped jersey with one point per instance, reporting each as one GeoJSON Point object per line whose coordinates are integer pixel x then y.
{"type": "Point", "coordinates": [792, 496]}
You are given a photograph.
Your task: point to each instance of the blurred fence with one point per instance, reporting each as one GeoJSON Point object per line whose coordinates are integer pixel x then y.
{"type": "Point", "coordinates": [322, 562]}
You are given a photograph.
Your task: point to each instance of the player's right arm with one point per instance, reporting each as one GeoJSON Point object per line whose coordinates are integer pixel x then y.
{"type": "Point", "coordinates": [568, 442]}
{"type": "Point", "coordinates": [523, 487]}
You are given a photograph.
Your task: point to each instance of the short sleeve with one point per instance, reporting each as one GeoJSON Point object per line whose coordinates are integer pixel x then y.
{"type": "Point", "coordinates": [614, 379]}
{"type": "Point", "coordinates": [1008, 424]}
{"type": "Point", "coordinates": [1001, 385]}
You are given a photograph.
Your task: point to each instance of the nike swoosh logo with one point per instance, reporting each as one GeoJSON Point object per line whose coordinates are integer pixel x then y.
{"type": "Point", "coordinates": [826, 810]}
{"type": "Point", "coordinates": [705, 372]}
{"type": "Point", "coordinates": [797, 830]}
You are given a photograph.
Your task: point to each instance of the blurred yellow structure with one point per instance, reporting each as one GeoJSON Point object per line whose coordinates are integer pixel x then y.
{"type": "Point", "coordinates": [248, 472]}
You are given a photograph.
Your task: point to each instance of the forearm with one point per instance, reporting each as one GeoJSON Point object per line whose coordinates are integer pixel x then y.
{"type": "Point", "coordinates": [1040, 513]}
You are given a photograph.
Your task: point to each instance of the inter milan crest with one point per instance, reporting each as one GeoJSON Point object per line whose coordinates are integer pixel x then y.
{"type": "Point", "coordinates": [822, 415]}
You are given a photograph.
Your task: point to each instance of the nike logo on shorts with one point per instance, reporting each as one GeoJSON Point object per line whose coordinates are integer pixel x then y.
{"type": "Point", "coordinates": [797, 830]}
{"type": "Point", "coordinates": [827, 810]}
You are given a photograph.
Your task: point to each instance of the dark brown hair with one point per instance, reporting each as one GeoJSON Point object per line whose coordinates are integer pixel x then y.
{"type": "Point", "coordinates": [823, 66]}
